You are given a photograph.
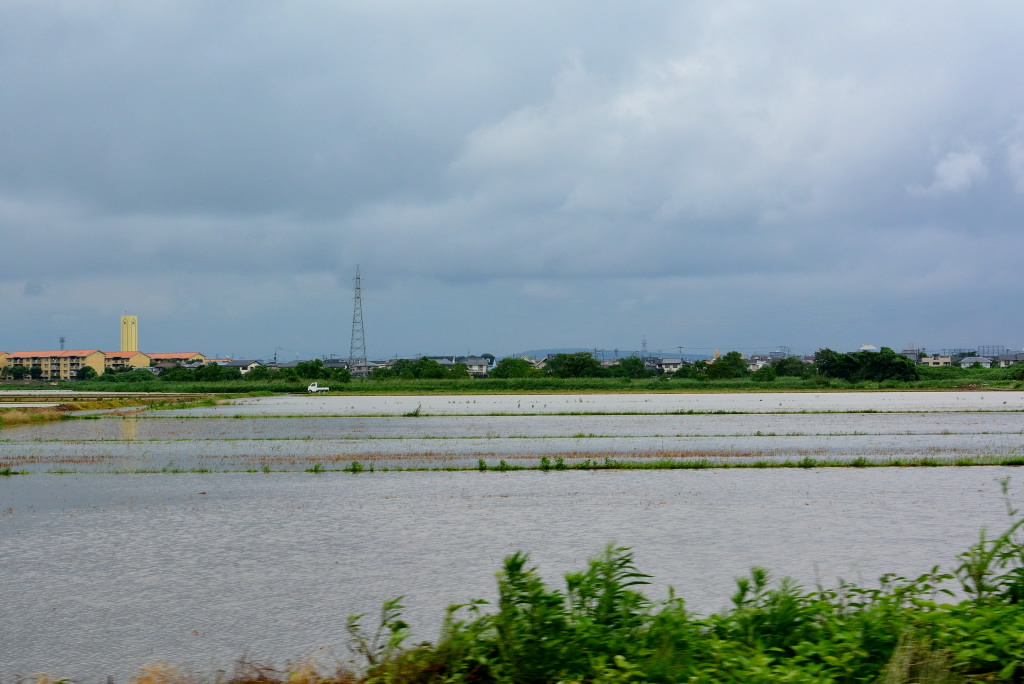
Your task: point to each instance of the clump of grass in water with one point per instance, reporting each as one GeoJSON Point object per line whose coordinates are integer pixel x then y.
{"type": "Point", "coordinates": [316, 468]}
{"type": "Point", "coordinates": [415, 413]}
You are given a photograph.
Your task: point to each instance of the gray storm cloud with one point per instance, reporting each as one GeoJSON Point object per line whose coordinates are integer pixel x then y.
{"type": "Point", "coordinates": [507, 176]}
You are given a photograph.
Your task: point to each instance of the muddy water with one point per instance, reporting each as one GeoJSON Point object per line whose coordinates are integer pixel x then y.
{"type": "Point", "coordinates": [105, 569]}
{"type": "Point", "coordinates": [102, 573]}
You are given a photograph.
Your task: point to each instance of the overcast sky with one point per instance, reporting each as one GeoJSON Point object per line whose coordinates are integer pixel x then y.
{"type": "Point", "coordinates": [511, 176]}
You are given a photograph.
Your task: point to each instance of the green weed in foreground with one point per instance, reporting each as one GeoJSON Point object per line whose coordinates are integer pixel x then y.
{"type": "Point", "coordinates": [599, 628]}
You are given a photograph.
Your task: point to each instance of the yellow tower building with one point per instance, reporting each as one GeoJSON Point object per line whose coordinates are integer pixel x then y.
{"type": "Point", "coordinates": [129, 333]}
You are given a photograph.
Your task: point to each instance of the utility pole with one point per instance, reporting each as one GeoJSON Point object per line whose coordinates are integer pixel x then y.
{"type": "Point", "coordinates": [62, 343]}
{"type": "Point", "coordinates": [357, 350]}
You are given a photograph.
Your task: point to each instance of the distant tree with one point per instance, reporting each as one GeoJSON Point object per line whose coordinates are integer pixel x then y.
{"type": "Point", "coordinates": [632, 367]}
{"type": "Point", "coordinates": [765, 373]}
{"type": "Point", "coordinates": [458, 371]}
{"type": "Point", "coordinates": [260, 373]}
{"type": "Point", "coordinates": [888, 365]}
{"type": "Point", "coordinates": [86, 373]}
{"type": "Point", "coordinates": [341, 375]}
{"type": "Point", "coordinates": [732, 365]}
{"type": "Point", "coordinates": [36, 372]}
{"type": "Point", "coordinates": [578, 365]}
{"type": "Point", "coordinates": [312, 370]}
{"type": "Point", "coordinates": [19, 372]}
{"type": "Point", "coordinates": [429, 369]}
{"type": "Point", "coordinates": [885, 364]}
{"type": "Point", "coordinates": [1016, 371]}
{"type": "Point", "coordinates": [692, 371]}
{"type": "Point", "coordinates": [404, 368]}
{"type": "Point", "coordinates": [230, 373]}
{"type": "Point", "coordinates": [211, 372]}
{"type": "Point", "coordinates": [138, 375]}
{"type": "Point", "coordinates": [177, 374]}
{"type": "Point", "coordinates": [489, 357]}
{"type": "Point", "coordinates": [792, 366]}
{"type": "Point", "coordinates": [287, 375]}
{"type": "Point", "coordinates": [382, 373]}
{"type": "Point", "coordinates": [833, 364]}
{"type": "Point", "coordinates": [514, 368]}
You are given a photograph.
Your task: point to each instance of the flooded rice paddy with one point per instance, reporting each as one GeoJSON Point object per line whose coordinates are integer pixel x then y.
{"type": "Point", "coordinates": [113, 565]}
{"type": "Point", "coordinates": [299, 432]}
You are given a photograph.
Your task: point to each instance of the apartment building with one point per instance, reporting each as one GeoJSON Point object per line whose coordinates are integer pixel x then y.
{"type": "Point", "coordinates": [58, 365]}
{"type": "Point", "coordinates": [125, 359]}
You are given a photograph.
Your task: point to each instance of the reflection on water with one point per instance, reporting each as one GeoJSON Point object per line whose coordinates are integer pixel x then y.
{"type": "Point", "coordinates": [294, 433]}
{"type": "Point", "coordinates": [129, 429]}
{"type": "Point", "coordinates": [109, 572]}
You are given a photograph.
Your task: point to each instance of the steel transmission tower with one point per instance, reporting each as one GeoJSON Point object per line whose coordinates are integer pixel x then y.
{"type": "Point", "coordinates": [357, 351]}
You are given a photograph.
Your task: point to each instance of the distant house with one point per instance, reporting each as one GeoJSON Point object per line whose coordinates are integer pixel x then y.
{"type": "Point", "coordinates": [757, 361]}
{"type": "Point", "coordinates": [668, 366]}
{"type": "Point", "coordinates": [1007, 360]}
{"type": "Point", "coordinates": [969, 361]}
{"type": "Point", "coordinates": [243, 365]}
{"type": "Point", "coordinates": [936, 360]}
{"type": "Point", "coordinates": [539, 364]}
{"type": "Point", "coordinates": [476, 365]}
{"type": "Point", "coordinates": [336, 364]}
{"type": "Point", "coordinates": [912, 353]}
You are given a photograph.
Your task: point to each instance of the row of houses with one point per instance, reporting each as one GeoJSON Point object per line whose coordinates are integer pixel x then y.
{"type": "Point", "coordinates": [1001, 361]}
{"type": "Point", "coordinates": [54, 365]}
{"type": "Point", "coordinates": [65, 364]}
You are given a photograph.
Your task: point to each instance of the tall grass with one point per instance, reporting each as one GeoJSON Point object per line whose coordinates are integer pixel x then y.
{"type": "Point", "coordinates": [600, 628]}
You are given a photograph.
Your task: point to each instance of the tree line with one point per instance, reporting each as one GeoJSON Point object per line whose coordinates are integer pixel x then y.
{"type": "Point", "coordinates": [853, 367]}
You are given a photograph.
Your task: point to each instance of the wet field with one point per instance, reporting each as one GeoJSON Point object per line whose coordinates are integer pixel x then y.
{"type": "Point", "coordinates": [110, 567]}
{"type": "Point", "coordinates": [299, 432]}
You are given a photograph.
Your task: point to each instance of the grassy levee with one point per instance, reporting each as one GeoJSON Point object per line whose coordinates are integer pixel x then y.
{"type": "Point", "coordinates": [13, 416]}
{"type": "Point", "coordinates": [10, 417]}
{"type": "Point", "coordinates": [965, 625]}
{"type": "Point", "coordinates": [973, 379]}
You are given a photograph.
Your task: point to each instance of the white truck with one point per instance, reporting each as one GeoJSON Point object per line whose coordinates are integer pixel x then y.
{"type": "Point", "coordinates": [314, 388]}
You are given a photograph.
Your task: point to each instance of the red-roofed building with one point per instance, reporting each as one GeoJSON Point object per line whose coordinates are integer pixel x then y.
{"type": "Point", "coordinates": [58, 365]}
{"type": "Point", "coordinates": [125, 359]}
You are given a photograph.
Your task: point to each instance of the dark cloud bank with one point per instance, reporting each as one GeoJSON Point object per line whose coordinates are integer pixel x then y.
{"type": "Point", "coordinates": [713, 175]}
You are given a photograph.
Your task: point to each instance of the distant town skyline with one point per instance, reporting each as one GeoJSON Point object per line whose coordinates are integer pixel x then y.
{"type": "Point", "coordinates": [130, 325]}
